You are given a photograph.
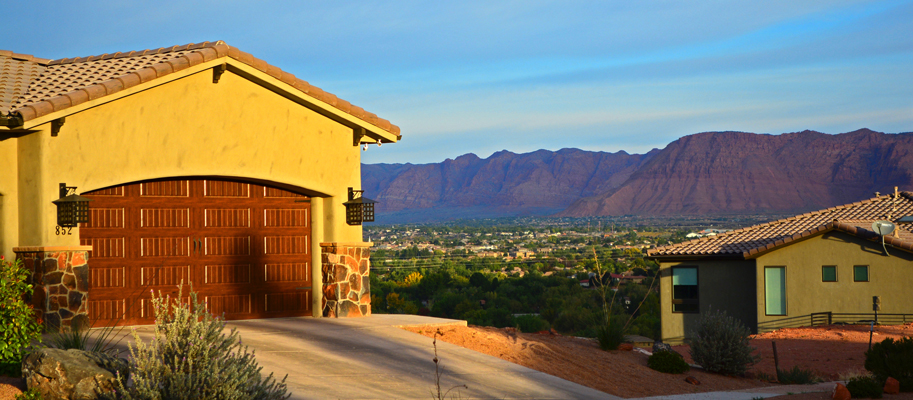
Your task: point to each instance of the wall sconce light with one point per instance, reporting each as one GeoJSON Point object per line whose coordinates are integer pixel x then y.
{"type": "Point", "coordinates": [359, 209]}
{"type": "Point", "coordinates": [71, 208]}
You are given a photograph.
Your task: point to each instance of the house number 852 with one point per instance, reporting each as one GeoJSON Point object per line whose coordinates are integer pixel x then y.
{"type": "Point", "coordinates": [60, 230]}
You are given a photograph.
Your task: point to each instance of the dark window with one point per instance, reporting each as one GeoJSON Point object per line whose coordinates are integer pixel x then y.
{"type": "Point", "coordinates": [684, 290]}
{"type": "Point", "coordinates": [861, 273]}
{"type": "Point", "coordinates": [829, 273]}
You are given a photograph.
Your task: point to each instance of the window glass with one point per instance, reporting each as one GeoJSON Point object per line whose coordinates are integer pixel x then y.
{"type": "Point", "coordinates": [684, 290]}
{"type": "Point", "coordinates": [775, 290]}
{"type": "Point", "coordinates": [829, 273]}
{"type": "Point", "coordinates": [861, 273]}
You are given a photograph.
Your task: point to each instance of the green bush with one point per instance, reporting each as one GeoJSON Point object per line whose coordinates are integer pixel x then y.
{"type": "Point", "coordinates": [721, 344]}
{"type": "Point", "coordinates": [19, 327]}
{"type": "Point", "coordinates": [865, 387]}
{"type": "Point", "coordinates": [191, 358]}
{"type": "Point", "coordinates": [531, 323]}
{"type": "Point", "coordinates": [668, 362]}
{"type": "Point", "coordinates": [797, 376]}
{"type": "Point", "coordinates": [892, 358]}
{"type": "Point", "coordinates": [31, 394]}
{"type": "Point", "coordinates": [612, 334]}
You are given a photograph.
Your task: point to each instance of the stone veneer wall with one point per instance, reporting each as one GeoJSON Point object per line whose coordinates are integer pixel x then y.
{"type": "Point", "coordinates": [60, 279]}
{"type": "Point", "coordinates": [346, 281]}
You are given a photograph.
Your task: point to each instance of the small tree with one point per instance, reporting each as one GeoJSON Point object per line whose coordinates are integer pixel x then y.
{"type": "Point", "coordinates": [191, 358]}
{"type": "Point", "coordinates": [721, 344]}
{"type": "Point", "coordinates": [19, 327]}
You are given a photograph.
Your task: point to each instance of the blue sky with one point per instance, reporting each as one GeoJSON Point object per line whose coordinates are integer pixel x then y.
{"type": "Point", "coordinates": [483, 76]}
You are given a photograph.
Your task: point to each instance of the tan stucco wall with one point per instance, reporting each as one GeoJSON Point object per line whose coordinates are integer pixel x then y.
{"type": "Point", "coordinates": [9, 197]}
{"type": "Point", "coordinates": [889, 277]}
{"type": "Point", "coordinates": [188, 127]}
{"type": "Point", "coordinates": [722, 284]}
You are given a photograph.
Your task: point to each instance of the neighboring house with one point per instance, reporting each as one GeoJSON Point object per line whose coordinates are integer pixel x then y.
{"type": "Point", "coordinates": [779, 273]}
{"type": "Point", "coordinates": [203, 164]}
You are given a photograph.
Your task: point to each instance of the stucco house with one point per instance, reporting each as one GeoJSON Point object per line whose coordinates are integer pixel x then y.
{"type": "Point", "coordinates": [203, 164]}
{"type": "Point", "coordinates": [784, 273]}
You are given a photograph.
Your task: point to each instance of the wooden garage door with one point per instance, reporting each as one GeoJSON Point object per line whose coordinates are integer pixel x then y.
{"type": "Point", "coordinates": [245, 248]}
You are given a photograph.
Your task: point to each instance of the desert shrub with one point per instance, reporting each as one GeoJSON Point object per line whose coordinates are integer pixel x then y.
{"type": "Point", "coordinates": [668, 362]}
{"type": "Point", "coordinates": [19, 327]}
{"type": "Point", "coordinates": [191, 358]}
{"type": "Point", "coordinates": [611, 335]}
{"type": "Point", "coordinates": [531, 323]}
{"type": "Point", "coordinates": [892, 358]}
{"type": "Point", "coordinates": [865, 387]}
{"type": "Point", "coordinates": [721, 344]}
{"type": "Point", "coordinates": [797, 376]}
{"type": "Point", "coordinates": [31, 394]}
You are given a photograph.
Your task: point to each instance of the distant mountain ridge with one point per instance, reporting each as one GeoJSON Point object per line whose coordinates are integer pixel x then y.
{"type": "Point", "coordinates": [704, 173]}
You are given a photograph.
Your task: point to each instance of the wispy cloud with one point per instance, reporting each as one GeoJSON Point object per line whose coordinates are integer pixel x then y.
{"type": "Point", "coordinates": [481, 76]}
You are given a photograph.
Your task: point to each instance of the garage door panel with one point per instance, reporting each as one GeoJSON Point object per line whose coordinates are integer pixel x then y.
{"type": "Point", "coordinates": [164, 218]}
{"type": "Point", "coordinates": [227, 218]}
{"type": "Point", "coordinates": [286, 245]}
{"type": "Point", "coordinates": [230, 304]}
{"type": "Point", "coordinates": [225, 189]}
{"type": "Point", "coordinates": [270, 192]}
{"type": "Point", "coordinates": [162, 275]}
{"type": "Point", "coordinates": [164, 246]}
{"type": "Point", "coordinates": [227, 274]}
{"type": "Point", "coordinates": [107, 277]}
{"type": "Point", "coordinates": [105, 218]}
{"type": "Point", "coordinates": [179, 188]}
{"type": "Point", "coordinates": [111, 247]}
{"type": "Point", "coordinates": [106, 309]}
{"type": "Point", "coordinates": [227, 246]}
{"type": "Point", "coordinates": [285, 218]}
{"type": "Point", "coordinates": [287, 272]}
{"type": "Point", "coordinates": [287, 302]}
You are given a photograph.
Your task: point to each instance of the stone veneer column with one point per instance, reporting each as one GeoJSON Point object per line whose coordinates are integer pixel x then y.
{"type": "Point", "coordinates": [60, 281]}
{"type": "Point", "coordinates": [346, 280]}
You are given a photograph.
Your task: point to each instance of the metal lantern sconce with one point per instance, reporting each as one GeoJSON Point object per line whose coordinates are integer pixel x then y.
{"type": "Point", "coordinates": [359, 209]}
{"type": "Point", "coordinates": [71, 208]}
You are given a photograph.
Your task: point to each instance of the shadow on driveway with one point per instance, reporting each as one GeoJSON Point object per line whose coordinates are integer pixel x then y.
{"type": "Point", "coordinates": [372, 358]}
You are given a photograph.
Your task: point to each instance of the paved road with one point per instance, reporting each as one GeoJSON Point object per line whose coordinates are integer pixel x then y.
{"type": "Point", "coordinates": [371, 358]}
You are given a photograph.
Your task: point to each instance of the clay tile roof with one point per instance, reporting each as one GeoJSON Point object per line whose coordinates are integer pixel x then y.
{"type": "Point", "coordinates": [855, 218]}
{"type": "Point", "coordinates": [31, 87]}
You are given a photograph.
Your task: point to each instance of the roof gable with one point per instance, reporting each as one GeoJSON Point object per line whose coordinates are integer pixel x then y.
{"type": "Point", "coordinates": [855, 218]}
{"type": "Point", "coordinates": [31, 88]}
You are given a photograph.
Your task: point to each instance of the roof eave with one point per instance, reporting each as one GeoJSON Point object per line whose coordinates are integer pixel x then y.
{"type": "Point", "coordinates": [692, 257]}
{"type": "Point", "coordinates": [367, 127]}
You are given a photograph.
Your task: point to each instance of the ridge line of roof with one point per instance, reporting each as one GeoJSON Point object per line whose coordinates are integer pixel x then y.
{"type": "Point", "coordinates": [25, 57]}
{"type": "Point", "coordinates": [201, 52]}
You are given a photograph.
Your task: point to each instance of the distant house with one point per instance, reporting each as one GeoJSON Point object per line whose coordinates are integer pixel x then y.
{"type": "Point", "coordinates": [780, 273]}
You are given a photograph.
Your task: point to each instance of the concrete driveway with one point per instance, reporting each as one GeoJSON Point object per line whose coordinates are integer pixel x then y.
{"type": "Point", "coordinates": [371, 358]}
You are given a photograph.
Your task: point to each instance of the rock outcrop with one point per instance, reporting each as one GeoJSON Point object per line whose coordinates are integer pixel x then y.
{"type": "Point", "coordinates": [71, 374]}
{"type": "Point", "coordinates": [747, 173]}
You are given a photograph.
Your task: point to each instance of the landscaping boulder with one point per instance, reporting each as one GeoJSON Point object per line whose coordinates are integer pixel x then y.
{"type": "Point", "coordinates": [892, 386]}
{"type": "Point", "coordinates": [71, 374]}
{"type": "Point", "coordinates": [660, 346]}
{"type": "Point", "coordinates": [840, 392]}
